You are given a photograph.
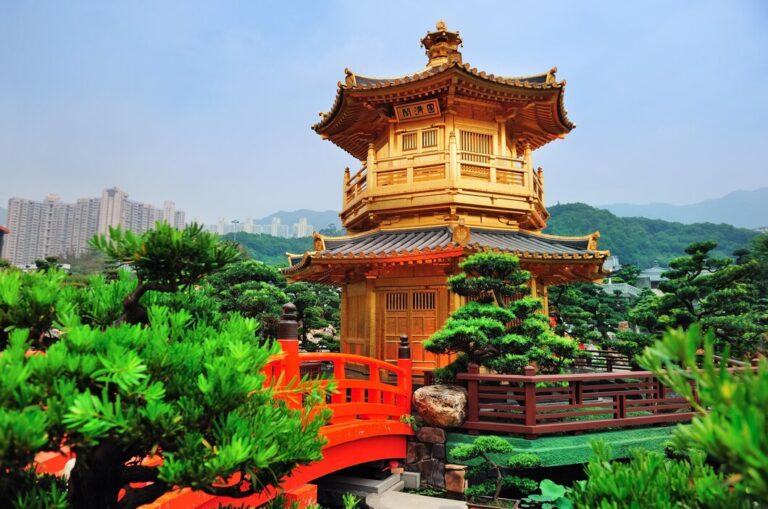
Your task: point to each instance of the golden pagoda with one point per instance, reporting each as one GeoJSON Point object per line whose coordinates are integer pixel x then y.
{"type": "Point", "coordinates": [447, 171]}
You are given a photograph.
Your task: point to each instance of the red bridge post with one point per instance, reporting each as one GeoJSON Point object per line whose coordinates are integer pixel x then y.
{"type": "Point", "coordinates": [406, 364]}
{"type": "Point", "coordinates": [288, 337]}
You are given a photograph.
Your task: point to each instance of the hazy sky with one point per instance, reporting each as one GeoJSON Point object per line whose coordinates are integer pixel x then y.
{"type": "Point", "coordinates": [210, 103]}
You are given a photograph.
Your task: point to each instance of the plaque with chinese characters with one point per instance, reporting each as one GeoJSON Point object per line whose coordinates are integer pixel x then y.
{"type": "Point", "coordinates": [417, 111]}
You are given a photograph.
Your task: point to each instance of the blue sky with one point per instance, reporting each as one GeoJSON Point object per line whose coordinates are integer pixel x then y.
{"type": "Point", "coordinates": [210, 103]}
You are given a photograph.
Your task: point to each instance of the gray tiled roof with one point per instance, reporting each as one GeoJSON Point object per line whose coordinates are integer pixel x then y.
{"type": "Point", "coordinates": [436, 238]}
{"type": "Point", "coordinates": [391, 242]}
{"type": "Point", "coordinates": [439, 239]}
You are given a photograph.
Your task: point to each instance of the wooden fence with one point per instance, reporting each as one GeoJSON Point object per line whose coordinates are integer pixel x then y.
{"type": "Point", "coordinates": [602, 360]}
{"type": "Point", "coordinates": [534, 405]}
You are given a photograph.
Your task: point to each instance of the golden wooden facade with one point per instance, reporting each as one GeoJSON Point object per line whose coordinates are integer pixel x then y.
{"type": "Point", "coordinates": [446, 170]}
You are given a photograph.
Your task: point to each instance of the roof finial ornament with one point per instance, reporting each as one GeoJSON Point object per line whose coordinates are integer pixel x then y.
{"type": "Point", "coordinates": [349, 78]}
{"type": "Point", "coordinates": [442, 46]}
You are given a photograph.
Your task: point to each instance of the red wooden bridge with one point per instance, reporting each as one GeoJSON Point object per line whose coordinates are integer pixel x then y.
{"type": "Point", "coordinates": [371, 397]}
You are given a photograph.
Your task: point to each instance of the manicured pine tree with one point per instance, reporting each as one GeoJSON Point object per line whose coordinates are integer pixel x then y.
{"type": "Point", "coordinates": [502, 327]}
{"type": "Point", "coordinates": [715, 292]}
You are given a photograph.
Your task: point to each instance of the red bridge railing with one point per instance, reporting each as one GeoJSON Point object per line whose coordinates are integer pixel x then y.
{"type": "Point", "coordinates": [534, 405]}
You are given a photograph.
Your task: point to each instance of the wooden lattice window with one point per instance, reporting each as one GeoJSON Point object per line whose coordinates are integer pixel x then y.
{"type": "Point", "coordinates": [409, 141]}
{"type": "Point", "coordinates": [429, 138]}
{"type": "Point", "coordinates": [476, 147]}
{"type": "Point", "coordinates": [423, 301]}
{"type": "Point", "coordinates": [397, 301]}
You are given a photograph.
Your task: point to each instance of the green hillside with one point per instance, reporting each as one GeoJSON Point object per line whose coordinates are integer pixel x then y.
{"type": "Point", "coordinates": [639, 240]}
{"type": "Point", "coordinates": [269, 249]}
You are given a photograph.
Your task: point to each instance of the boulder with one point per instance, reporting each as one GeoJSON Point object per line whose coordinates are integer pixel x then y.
{"type": "Point", "coordinates": [441, 406]}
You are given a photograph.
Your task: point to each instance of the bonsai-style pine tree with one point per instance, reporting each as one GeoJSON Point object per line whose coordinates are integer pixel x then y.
{"type": "Point", "coordinates": [253, 289]}
{"type": "Point", "coordinates": [587, 313]}
{"type": "Point", "coordinates": [715, 292]}
{"type": "Point", "coordinates": [180, 385]}
{"type": "Point", "coordinates": [164, 260]}
{"type": "Point", "coordinates": [487, 475]}
{"type": "Point", "coordinates": [502, 326]}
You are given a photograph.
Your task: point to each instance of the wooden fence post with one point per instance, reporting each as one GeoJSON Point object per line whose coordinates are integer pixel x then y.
{"type": "Point", "coordinates": [529, 407]}
{"type": "Point", "coordinates": [406, 364]}
{"type": "Point", "coordinates": [473, 396]}
{"type": "Point", "coordinates": [288, 337]}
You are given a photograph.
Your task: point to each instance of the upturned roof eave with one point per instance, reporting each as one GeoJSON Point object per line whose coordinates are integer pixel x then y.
{"type": "Point", "coordinates": [344, 89]}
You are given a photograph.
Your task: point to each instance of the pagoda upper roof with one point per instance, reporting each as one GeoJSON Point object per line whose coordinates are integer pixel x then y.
{"type": "Point", "coordinates": [363, 104]}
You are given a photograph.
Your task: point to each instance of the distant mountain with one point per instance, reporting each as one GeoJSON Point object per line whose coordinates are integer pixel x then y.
{"type": "Point", "coordinates": [642, 241]}
{"type": "Point", "coordinates": [318, 219]}
{"type": "Point", "coordinates": [3, 216]}
{"type": "Point", "coordinates": [745, 209]}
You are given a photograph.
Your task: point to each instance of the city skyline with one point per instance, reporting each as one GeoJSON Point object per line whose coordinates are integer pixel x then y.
{"type": "Point", "coordinates": [205, 101]}
{"type": "Point", "coordinates": [52, 227]}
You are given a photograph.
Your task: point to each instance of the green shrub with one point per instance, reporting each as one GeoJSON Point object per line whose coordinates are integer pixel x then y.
{"type": "Point", "coordinates": [649, 479]}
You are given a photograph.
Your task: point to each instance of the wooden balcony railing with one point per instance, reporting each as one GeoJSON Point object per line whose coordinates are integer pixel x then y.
{"type": "Point", "coordinates": [434, 167]}
{"type": "Point", "coordinates": [534, 405]}
{"type": "Point", "coordinates": [355, 185]}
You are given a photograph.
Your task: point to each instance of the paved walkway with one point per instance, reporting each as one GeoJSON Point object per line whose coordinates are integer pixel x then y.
{"type": "Point", "coordinates": [400, 500]}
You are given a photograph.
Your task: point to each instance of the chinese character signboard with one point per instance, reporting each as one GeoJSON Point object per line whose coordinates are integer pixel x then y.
{"type": "Point", "coordinates": [416, 111]}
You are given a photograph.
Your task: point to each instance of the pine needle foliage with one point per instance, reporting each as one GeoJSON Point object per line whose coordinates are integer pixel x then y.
{"type": "Point", "coordinates": [501, 327]}
{"type": "Point", "coordinates": [179, 399]}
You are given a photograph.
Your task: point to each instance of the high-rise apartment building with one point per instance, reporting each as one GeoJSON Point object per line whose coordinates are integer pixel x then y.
{"type": "Point", "coordinates": [302, 229]}
{"type": "Point", "coordinates": [111, 210]}
{"type": "Point", "coordinates": [50, 227]}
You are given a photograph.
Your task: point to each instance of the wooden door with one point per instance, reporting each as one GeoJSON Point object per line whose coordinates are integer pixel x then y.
{"type": "Point", "coordinates": [416, 313]}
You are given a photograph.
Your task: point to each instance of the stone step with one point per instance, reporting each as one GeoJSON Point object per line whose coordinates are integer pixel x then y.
{"type": "Point", "coordinates": [358, 485]}
{"type": "Point", "coordinates": [399, 500]}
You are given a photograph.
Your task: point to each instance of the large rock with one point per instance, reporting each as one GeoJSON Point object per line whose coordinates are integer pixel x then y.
{"type": "Point", "coordinates": [442, 406]}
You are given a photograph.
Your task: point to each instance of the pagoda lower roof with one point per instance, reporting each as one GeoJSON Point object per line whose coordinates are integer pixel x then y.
{"type": "Point", "coordinates": [437, 241]}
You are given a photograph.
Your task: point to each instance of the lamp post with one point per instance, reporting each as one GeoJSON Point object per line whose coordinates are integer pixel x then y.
{"type": "Point", "coordinates": [235, 222]}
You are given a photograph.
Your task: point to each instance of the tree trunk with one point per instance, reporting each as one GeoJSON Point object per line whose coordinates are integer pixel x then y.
{"type": "Point", "coordinates": [97, 477]}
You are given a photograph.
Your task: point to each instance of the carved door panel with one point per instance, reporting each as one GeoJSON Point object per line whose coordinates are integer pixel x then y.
{"type": "Point", "coordinates": [413, 312]}
{"type": "Point", "coordinates": [395, 322]}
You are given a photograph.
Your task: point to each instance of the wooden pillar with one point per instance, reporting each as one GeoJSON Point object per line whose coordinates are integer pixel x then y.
{"type": "Point", "coordinates": [344, 319]}
{"type": "Point", "coordinates": [453, 156]}
{"type": "Point", "coordinates": [370, 163]}
{"type": "Point", "coordinates": [370, 297]}
{"type": "Point", "coordinates": [345, 186]}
